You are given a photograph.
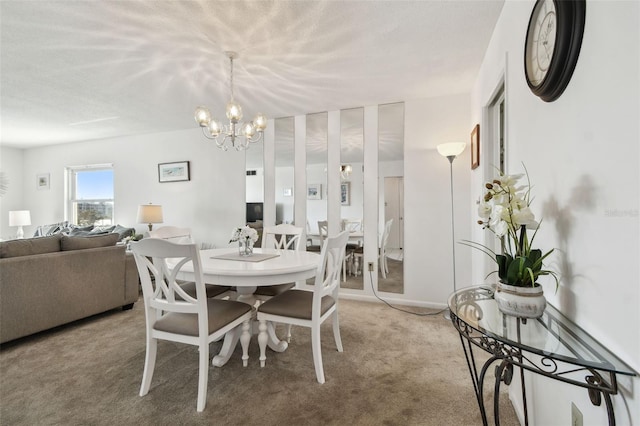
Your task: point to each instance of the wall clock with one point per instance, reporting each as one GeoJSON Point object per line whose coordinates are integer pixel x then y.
{"type": "Point", "coordinates": [552, 46]}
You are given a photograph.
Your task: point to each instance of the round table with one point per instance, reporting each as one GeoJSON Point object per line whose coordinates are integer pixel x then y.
{"type": "Point", "coordinates": [224, 266]}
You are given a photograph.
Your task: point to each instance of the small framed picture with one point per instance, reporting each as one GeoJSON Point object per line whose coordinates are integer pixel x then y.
{"type": "Point", "coordinates": [314, 191]}
{"type": "Point", "coordinates": [475, 147]}
{"type": "Point", "coordinates": [287, 192]}
{"type": "Point", "coordinates": [345, 193]}
{"type": "Point", "coordinates": [42, 181]}
{"type": "Point", "coordinates": [173, 172]}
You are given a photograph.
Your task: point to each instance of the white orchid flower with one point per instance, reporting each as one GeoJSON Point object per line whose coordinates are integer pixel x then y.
{"type": "Point", "coordinates": [524, 217]}
{"type": "Point", "coordinates": [484, 210]}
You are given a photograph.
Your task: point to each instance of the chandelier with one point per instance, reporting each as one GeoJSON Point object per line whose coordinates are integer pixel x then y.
{"type": "Point", "coordinates": [236, 133]}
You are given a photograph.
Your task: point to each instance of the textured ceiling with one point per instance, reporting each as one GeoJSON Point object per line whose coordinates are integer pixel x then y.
{"type": "Point", "coordinates": [81, 70]}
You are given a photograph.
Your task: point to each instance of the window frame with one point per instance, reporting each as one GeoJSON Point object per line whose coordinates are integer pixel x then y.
{"type": "Point", "coordinates": [71, 173]}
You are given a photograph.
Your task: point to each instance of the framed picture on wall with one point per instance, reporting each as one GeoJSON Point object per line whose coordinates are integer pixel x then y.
{"type": "Point", "coordinates": [475, 147]}
{"type": "Point", "coordinates": [345, 193]}
{"type": "Point", "coordinates": [42, 181]}
{"type": "Point", "coordinates": [173, 172]}
{"type": "Point", "coordinates": [314, 191]}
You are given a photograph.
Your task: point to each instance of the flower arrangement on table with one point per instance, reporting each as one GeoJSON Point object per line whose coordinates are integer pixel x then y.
{"type": "Point", "coordinates": [505, 211]}
{"type": "Point", "coordinates": [246, 237]}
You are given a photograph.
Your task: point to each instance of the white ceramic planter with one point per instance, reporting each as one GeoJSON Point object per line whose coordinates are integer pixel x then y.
{"type": "Point", "coordinates": [524, 302]}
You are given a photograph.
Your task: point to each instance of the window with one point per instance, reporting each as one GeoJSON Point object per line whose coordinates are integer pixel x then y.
{"type": "Point", "coordinates": [90, 198]}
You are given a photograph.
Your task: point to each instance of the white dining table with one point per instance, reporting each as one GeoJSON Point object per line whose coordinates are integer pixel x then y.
{"type": "Point", "coordinates": [224, 266]}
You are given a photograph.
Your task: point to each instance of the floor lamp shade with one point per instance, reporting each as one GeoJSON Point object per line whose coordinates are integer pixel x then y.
{"type": "Point", "coordinates": [451, 149]}
{"type": "Point", "coordinates": [20, 218]}
{"type": "Point", "coordinates": [149, 214]}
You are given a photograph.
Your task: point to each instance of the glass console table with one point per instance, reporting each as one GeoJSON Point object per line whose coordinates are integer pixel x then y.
{"type": "Point", "coordinates": [551, 346]}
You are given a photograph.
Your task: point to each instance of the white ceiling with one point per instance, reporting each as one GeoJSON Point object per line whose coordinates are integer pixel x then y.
{"type": "Point", "coordinates": [81, 70]}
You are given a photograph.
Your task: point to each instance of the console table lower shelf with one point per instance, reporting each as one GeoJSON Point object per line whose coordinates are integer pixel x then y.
{"type": "Point", "coordinates": [577, 358]}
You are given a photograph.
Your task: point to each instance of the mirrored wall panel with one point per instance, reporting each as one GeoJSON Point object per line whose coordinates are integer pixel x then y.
{"type": "Point", "coordinates": [316, 173]}
{"type": "Point", "coordinates": [352, 194]}
{"type": "Point", "coordinates": [284, 173]}
{"type": "Point", "coordinates": [254, 161]}
{"type": "Point", "coordinates": [391, 197]}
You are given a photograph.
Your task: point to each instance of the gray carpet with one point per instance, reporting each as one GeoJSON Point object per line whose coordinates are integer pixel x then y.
{"type": "Point", "coordinates": [392, 284]}
{"type": "Point", "coordinates": [397, 369]}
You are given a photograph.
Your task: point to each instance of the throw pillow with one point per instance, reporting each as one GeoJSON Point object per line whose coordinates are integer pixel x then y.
{"type": "Point", "coordinates": [45, 230]}
{"type": "Point", "coordinates": [81, 243]}
{"type": "Point", "coordinates": [124, 232]}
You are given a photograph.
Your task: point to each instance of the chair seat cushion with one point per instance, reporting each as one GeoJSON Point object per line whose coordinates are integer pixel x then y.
{"type": "Point", "coordinates": [212, 290]}
{"type": "Point", "coordinates": [295, 304]}
{"type": "Point", "coordinates": [273, 290]}
{"type": "Point", "coordinates": [220, 312]}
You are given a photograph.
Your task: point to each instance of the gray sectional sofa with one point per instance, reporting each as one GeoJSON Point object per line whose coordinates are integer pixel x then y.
{"type": "Point", "coordinates": [49, 281]}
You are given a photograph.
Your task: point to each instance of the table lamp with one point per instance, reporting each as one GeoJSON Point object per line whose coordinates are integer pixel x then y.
{"type": "Point", "coordinates": [149, 214]}
{"type": "Point", "coordinates": [20, 218]}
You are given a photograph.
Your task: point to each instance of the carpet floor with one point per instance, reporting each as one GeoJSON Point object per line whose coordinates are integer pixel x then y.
{"type": "Point", "coordinates": [396, 369]}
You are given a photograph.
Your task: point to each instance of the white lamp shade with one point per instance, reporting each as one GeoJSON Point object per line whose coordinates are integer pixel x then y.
{"type": "Point", "coordinates": [20, 218]}
{"type": "Point", "coordinates": [451, 149]}
{"type": "Point", "coordinates": [149, 213]}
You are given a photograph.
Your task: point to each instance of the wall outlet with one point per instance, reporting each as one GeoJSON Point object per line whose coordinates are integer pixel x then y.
{"type": "Point", "coordinates": [370, 266]}
{"type": "Point", "coordinates": [576, 416]}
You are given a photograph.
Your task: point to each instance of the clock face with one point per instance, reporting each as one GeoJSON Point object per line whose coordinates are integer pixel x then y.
{"type": "Point", "coordinates": [552, 46]}
{"type": "Point", "coordinates": [541, 41]}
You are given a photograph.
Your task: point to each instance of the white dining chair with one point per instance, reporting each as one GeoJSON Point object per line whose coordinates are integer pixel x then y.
{"type": "Point", "coordinates": [310, 308]}
{"type": "Point", "coordinates": [179, 235]}
{"type": "Point", "coordinates": [382, 256]}
{"type": "Point", "coordinates": [172, 314]}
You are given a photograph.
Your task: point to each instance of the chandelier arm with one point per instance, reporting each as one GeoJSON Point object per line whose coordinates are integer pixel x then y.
{"type": "Point", "coordinates": [223, 143]}
{"type": "Point", "coordinates": [204, 132]}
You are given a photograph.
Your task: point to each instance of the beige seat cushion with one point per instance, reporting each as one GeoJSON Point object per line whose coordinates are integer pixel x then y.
{"type": "Point", "coordinates": [294, 304]}
{"type": "Point", "coordinates": [212, 290]}
{"type": "Point", "coordinates": [273, 290]}
{"type": "Point", "coordinates": [221, 313]}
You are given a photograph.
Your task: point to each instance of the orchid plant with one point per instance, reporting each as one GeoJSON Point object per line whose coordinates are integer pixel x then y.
{"type": "Point", "coordinates": [244, 233]}
{"type": "Point", "coordinates": [505, 211]}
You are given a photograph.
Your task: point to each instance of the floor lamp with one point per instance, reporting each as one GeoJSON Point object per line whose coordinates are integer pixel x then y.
{"type": "Point", "coordinates": [451, 151]}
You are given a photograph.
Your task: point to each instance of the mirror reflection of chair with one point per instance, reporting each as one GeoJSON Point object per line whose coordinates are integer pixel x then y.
{"type": "Point", "coordinates": [320, 236]}
{"type": "Point", "coordinates": [353, 263]}
{"type": "Point", "coordinates": [174, 315]}
{"type": "Point", "coordinates": [178, 235]}
{"type": "Point", "coordinates": [382, 256]}
{"type": "Point", "coordinates": [310, 308]}
{"type": "Point", "coordinates": [281, 237]}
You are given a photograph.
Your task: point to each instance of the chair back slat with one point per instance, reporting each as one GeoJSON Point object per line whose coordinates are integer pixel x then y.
{"type": "Point", "coordinates": [385, 234]}
{"type": "Point", "coordinates": [323, 230]}
{"type": "Point", "coordinates": [329, 269]}
{"type": "Point", "coordinates": [159, 278]}
{"type": "Point", "coordinates": [282, 237]}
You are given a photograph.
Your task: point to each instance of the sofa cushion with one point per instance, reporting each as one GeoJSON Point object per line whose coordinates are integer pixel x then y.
{"type": "Point", "coordinates": [81, 243]}
{"type": "Point", "coordinates": [30, 246]}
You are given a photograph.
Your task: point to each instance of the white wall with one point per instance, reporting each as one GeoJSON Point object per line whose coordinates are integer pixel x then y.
{"type": "Point", "coordinates": [211, 203]}
{"type": "Point", "coordinates": [428, 239]}
{"type": "Point", "coordinates": [582, 153]}
{"type": "Point", "coordinates": [11, 166]}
